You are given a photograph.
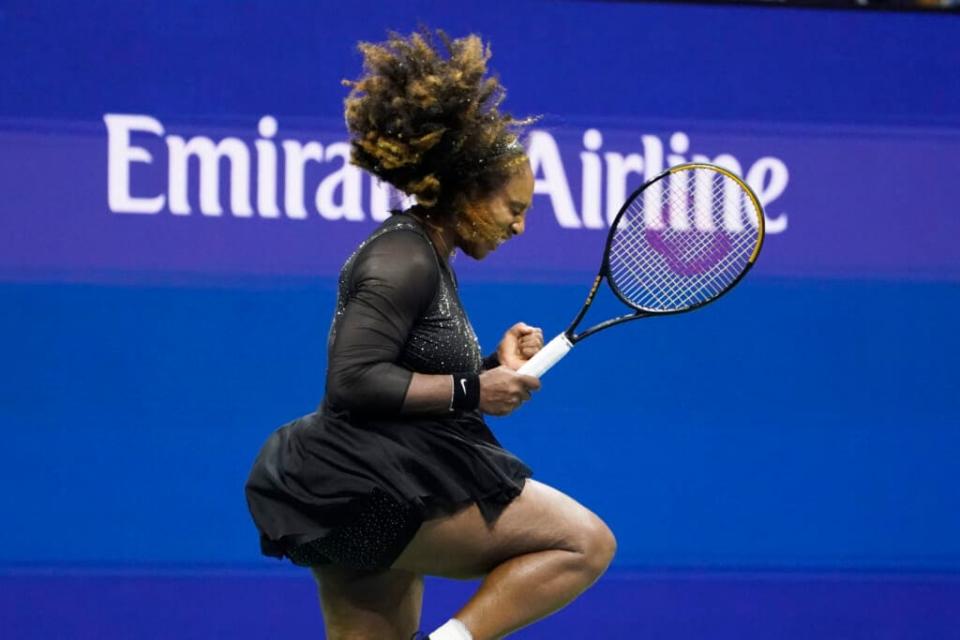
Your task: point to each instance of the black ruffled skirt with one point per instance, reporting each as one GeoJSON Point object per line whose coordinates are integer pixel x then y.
{"type": "Point", "coordinates": [329, 489]}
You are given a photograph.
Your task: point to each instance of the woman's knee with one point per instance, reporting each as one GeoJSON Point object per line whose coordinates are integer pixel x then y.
{"type": "Point", "coordinates": [596, 545]}
{"type": "Point", "coordinates": [568, 525]}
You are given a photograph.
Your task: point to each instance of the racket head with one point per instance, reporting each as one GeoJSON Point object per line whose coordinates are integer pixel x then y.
{"type": "Point", "coordinates": [683, 239]}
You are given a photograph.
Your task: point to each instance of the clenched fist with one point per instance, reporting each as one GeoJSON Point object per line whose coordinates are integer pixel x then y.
{"type": "Point", "coordinates": [520, 343]}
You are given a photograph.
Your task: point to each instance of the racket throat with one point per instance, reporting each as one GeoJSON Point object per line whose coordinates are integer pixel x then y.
{"type": "Point", "coordinates": [550, 355]}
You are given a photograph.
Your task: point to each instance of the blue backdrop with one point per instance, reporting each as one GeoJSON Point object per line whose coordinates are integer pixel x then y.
{"type": "Point", "coordinates": [151, 341]}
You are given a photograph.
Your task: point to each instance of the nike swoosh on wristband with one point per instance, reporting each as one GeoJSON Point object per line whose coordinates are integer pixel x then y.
{"type": "Point", "coordinates": [463, 385]}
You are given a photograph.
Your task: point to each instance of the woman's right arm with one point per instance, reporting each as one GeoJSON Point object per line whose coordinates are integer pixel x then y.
{"type": "Point", "coordinates": [393, 281]}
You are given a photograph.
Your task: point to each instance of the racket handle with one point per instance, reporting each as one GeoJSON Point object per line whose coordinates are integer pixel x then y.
{"type": "Point", "coordinates": [551, 353]}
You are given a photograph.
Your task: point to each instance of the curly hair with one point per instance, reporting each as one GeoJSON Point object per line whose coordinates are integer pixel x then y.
{"type": "Point", "coordinates": [426, 118]}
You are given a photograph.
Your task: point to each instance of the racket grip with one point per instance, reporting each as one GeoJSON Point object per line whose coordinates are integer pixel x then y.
{"type": "Point", "coordinates": [551, 353]}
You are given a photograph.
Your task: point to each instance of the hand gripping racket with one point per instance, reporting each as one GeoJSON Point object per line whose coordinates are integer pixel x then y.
{"type": "Point", "coordinates": [681, 240]}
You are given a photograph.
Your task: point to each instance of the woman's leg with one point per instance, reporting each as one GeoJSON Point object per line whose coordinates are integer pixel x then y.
{"type": "Point", "coordinates": [369, 605]}
{"type": "Point", "coordinates": [543, 550]}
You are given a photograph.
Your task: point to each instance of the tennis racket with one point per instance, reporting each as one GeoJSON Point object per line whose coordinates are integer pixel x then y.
{"type": "Point", "coordinates": [681, 240]}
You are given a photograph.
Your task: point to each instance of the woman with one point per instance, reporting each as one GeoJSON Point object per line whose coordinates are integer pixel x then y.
{"type": "Point", "coordinates": [396, 475]}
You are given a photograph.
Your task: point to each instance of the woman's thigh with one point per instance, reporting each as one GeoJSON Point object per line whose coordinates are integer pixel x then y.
{"type": "Point", "coordinates": [465, 546]}
{"type": "Point", "coordinates": [369, 605]}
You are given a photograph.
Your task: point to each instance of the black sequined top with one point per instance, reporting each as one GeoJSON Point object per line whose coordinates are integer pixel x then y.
{"type": "Point", "coordinates": [397, 312]}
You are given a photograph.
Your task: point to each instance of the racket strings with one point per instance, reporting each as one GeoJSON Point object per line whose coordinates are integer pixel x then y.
{"type": "Point", "coordinates": [713, 281]}
{"type": "Point", "coordinates": [672, 292]}
{"type": "Point", "coordinates": [686, 245]}
{"type": "Point", "coordinates": [664, 292]}
{"type": "Point", "coordinates": [685, 241]}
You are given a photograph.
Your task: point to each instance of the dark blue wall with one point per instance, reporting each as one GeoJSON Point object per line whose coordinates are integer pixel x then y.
{"type": "Point", "coordinates": [610, 59]}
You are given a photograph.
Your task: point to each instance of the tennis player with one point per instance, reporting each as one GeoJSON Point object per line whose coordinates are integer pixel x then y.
{"type": "Point", "coordinates": [396, 475]}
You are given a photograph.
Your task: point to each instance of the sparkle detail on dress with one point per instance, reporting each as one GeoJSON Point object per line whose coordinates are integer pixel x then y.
{"type": "Point", "coordinates": [442, 340]}
{"type": "Point", "coordinates": [382, 528]}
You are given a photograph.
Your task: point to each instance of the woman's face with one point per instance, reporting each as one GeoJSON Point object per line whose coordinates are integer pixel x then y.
{"type": "Point", "coordinates": [495, 218]}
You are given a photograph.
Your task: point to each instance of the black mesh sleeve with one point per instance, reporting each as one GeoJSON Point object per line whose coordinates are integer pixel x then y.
{"type": "Point", "coordinates": [393, 281]}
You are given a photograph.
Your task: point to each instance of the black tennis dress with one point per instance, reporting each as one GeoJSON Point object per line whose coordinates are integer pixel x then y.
{"type": "Point", "coordinates": [351, 483]}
